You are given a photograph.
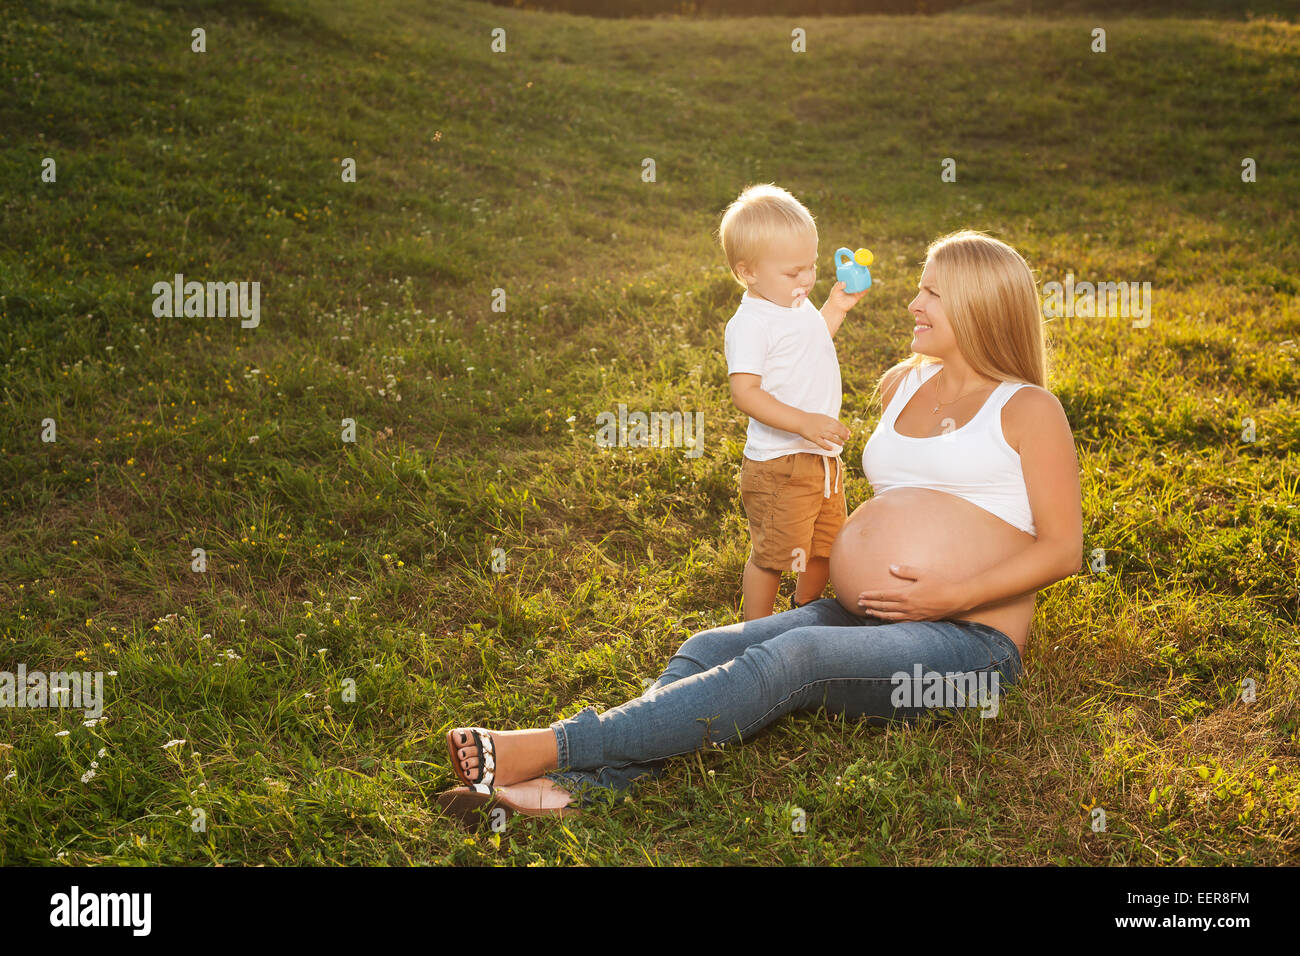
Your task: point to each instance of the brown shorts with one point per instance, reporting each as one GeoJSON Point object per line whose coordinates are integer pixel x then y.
{"type": "Point", "coordinates": [790, 517]}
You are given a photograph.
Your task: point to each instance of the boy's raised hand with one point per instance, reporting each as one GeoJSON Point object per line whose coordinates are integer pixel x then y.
{"type": "Point", "coordinates": [843, 301]}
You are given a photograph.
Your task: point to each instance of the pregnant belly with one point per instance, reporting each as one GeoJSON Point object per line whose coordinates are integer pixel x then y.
{"type": "Point", "coordinates": [928, 529]}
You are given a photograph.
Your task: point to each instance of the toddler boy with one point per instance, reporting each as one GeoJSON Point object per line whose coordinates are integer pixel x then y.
{"type": "Point", "coordinates": [785, 376]}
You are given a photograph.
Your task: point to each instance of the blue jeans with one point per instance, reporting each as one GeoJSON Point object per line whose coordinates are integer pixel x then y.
{"type": "Point", "coordinates": [727, 683]}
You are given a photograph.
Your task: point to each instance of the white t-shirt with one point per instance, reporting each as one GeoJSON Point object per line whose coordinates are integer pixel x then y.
{"type": "Point", "coordinates": [793, 351]}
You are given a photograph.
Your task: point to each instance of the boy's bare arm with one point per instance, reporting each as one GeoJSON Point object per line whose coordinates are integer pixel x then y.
{"type": "Point", "coordinates": [834, 317]}
{"type": "Point", "coordinates": [748, 396]}
{"type": "Point", "coordinates": [837, 306]}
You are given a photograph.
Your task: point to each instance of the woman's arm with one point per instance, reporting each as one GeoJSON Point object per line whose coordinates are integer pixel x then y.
{"type": "Point", "coordinates": [1051, 468]}
{"type": "Point", "coordinates": [1037, 428]}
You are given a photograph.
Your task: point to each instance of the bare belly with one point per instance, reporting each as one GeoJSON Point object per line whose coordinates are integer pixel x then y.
{"type": "Point", "coordinates": [928, 529]}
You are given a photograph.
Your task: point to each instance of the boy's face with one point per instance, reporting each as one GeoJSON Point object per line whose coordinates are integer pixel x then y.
{"type": "Point", "coordinates": [787, 264]}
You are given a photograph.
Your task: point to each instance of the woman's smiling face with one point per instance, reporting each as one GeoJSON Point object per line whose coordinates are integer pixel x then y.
{"type": "Point", "coordinates": [932, 334]}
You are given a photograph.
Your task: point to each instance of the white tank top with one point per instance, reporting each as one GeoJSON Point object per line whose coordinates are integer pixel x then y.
{"type": "Point", "coordinates": [973, 462]}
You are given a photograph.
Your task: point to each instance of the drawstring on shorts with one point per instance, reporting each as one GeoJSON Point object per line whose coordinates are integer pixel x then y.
{"type": "Point", "coordinates": [826, 471]}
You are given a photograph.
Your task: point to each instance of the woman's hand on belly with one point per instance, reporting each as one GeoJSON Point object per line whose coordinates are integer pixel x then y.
{"type": "Point", "coordinates": [938, 541]}
{"type": "Point", "coordinates": [922, 594]}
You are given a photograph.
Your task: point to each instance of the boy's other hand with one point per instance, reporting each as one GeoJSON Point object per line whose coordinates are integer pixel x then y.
{"type": "Point", "coordinates": [824, 430]}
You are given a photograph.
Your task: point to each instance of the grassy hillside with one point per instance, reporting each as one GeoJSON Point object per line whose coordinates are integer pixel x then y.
{"type": "Point", "coordinates": [804, 9]}
{"type": "Point", "coordinates": [372, 561]}
{"type": "Point", "coordinates": [1100, 11]}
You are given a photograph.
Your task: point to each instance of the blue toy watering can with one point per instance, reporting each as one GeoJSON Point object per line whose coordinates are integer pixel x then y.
{"type": "Point", "coordinates": [853, 273]}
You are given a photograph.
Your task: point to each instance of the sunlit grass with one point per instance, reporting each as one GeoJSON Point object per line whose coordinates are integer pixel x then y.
{"type": "Point", "coordinates": [372, 562]}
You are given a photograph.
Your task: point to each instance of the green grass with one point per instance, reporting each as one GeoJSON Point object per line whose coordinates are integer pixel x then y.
{"type": "Point", "coordinates": [373, 561]}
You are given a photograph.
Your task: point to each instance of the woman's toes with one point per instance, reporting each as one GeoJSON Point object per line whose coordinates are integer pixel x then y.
{"type": "Point", "coordinates": [466, 753]}
{"type": "Point", "coordinates": [466, 756]}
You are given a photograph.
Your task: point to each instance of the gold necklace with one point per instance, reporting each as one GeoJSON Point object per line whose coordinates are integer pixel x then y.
{"type": "Point", "coordinates": [935, 410]}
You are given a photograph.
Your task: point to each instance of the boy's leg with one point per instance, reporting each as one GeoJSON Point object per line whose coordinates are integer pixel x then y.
{"type": "Point", "coordinates": [812, 582]}
{"type": "Point", "coordinates": [761, 585]}
{"type": "Point", "coordinates": [762, 486]}
{"type": "Point", "coordinates": [789, 536]}
{"type": "Point", "coordinates": [832, 513]}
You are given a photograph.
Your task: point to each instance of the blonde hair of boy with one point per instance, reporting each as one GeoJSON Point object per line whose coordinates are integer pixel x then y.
{"type": "Point", "coordinates": [759, 215]}
{"type": "Point", "coordinates": [991, 299]}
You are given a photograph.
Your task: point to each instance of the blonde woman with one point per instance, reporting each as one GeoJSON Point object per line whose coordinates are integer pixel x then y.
{"type": "Point", "coordinates": [976, 507]}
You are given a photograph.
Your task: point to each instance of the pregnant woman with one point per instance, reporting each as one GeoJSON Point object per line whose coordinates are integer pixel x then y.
{"type": "Point", "coordinates": [976, 506]}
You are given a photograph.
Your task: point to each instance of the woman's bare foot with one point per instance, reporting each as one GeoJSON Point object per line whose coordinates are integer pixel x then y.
{"type": "Point", "coordinates": [520, 754]}
{"type": "Point", "coordinates": [540, 793]}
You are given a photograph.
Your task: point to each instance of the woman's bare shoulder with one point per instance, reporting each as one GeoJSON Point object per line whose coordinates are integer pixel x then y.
{"type": "Point", "coordinates": [1031, 407]}
{"type": "Point", "coordinates": [889, 382]}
